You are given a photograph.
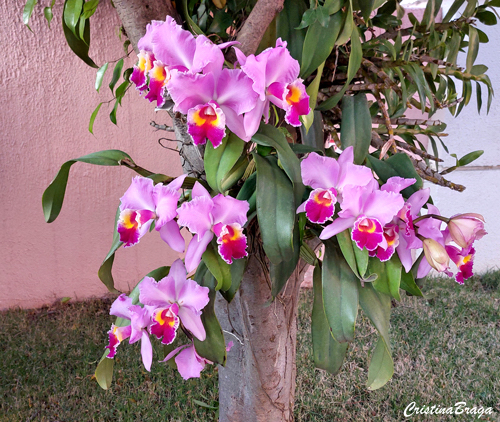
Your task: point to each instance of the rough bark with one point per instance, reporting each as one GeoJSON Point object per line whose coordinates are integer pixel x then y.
{"type": "Point", "coordinates": [258, 382]}
{"type": "Point", "coordinates": [136, 14]}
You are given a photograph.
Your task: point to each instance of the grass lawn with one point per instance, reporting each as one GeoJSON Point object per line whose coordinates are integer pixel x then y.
{"type": "Point", "coordinates": [446, 349]}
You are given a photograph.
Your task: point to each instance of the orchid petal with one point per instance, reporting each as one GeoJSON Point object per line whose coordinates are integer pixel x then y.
{"type": "Point", "coordinates": [228, 210]}
{"type": "Point", "coordinates": [383, 205]}
{"type": "Point", "coordinates": [171, 234]}
{"type": "Point", "coordinates": [188, 364]}
{"type": "Point", "coordinates": [188, 90]}
{"type": "Point", "coordinates": [232, 243]}
{"type": "Point", "coordinates": [120, 306]}
{"type": "Point", "coordinates": [196, 215]}
{"type": "Point", "coordinates": [319, 172]}
{"type": "Point", "coordinates": [146, 42]}
{"type": "Point", "coordinates": [208, 56]}
{"type": "Point", "coordinates": [139, 195]}
{"type": "Point", "coordinates": [195, 250]}
{"type": "Point", "coordinates": [236, 123]}
{"type": "Point", "coordinates": [396, 184]}
{"type": "Point", "coordinates": [192, 321]}
{"type": "Point", "coordinates": [338, 225]}
{"type": "Point", "coordinates": [146, 351]}
{"type": "Point", "coordinates": [206, 121]}
{"type": "Point", "coordinates": [166, 200]}
{"type": "Point", "coordinates": [234, 90]}
{"type": "Point", "coordinates": [321, 205]}
{"type": "Point", "coordinates": [157, 294]}
{"type": "Point", "coordinates": [174, 46]}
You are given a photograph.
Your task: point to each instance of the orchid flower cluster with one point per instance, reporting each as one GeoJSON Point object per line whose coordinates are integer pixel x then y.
{"type": "Point", "coordinates": [381, 221]}
{"type": "Point", "coordinates": [175, 65]}
{"type": "Point", "coordinates": [175, 301]}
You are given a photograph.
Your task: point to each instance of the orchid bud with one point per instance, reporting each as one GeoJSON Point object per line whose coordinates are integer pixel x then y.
{"type": "Point", "coordinates": [436, 255]}
{"type": "Point", "coordinates": [466, 228]}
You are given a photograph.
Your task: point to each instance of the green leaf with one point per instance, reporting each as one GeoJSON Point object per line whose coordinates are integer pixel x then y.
{"type": "Point", "coordinates": [28, 11]}
{"type": "Point", "coordinates": [313, 138]}
{"type": "Point", "coordinates": [486, 17]}
{"type": "Point", "coordinates": [220, 269]}
{"type": "Point", "coordinates": [397, 165]}
{"type": "Point", "coordinates": [347, 248]}
{"type": "Point", "coordinates": [308, 18]}
{"type": "Point", "coordinates": [361, 259]}
{"type": "Point", "coordinates": [238, 268]}
{"type": "Point", "coordinates": [121, 90]}
{"type": "Point", "coordinates": [247, 191]}
{"type": "Point", "coordinates": [328, 353]}
{"type": "Point", "coordinates": [377, 307]}
{"type": "Point", "coordinates": [479, 69]}
{"type": "Point", "coordinates": [100, 76]}
{"type": "Point", "coordinates": [269, 136]}
{"type": "Point", "coordinates": [79, 46]}
{"type": "Point", "coordinates": [340, 295]}
{"type": "Point", "coordinates": [213, 347]}
{"type": "Point", "coordinates": [47, 12]}
{"type": "Point", "coordinates": [312, 91]}
{"type": "Point", "coordinates": [347, 27]}
{"type": "Point", "coordinates": [219, 161]}
{"type": "Point", "coordinates": [356, 126]}
{"type": "Point", "coordinates": [275, 204]}
{"type": "Point", "coordinates": [104, 371]}
{"type": "Point", "coordinates": [470, 157]}
{"type": "Point", "coordinates": [457, 4]}
{"type": "Point", "coordinates": [112, 115]}
{"type": "Point", "coordinates": [92, 118]}
{"type": "Point", "coordinates": [473, 48]}
{"type": "Point", "coordinates": [71, 14]}
{"type": "Point", "coordinates": [313, 52]}
{"type": "Point", "coordinates": [53, 196]}
{"type": "Point", "coordinates": [286, 22]}
{"type": "Point", "coordinates": [355, 59]}
{"type": "Point", "coordinates": [89, 8]}
{"type": "Point", "coordinates": [408, 284]}
{"type": "Point", "coordinates": [117, 71]}
{"type": "Point", "coordinates": [431, 10]}
{"type": "Point", "coordinates": [366, 7]}
{"type": "Point", "coordinates": [381, 366]}
{"type": "Point", "coordinates": [394, 269]}
{"type": "Point", "coordinates": [203, 404]}
{"type": "Point", "coordinates": [280, 273]}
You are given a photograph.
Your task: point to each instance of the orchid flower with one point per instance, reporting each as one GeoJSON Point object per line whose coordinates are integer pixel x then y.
{"type": "Point", "coordinates": [328, 177]}
{"type": "Point", "coordinates": [189, 363]}
{"type": "Point", "coordinates": [143, 203]}
{"type": "Point", "coordinates": [366, 210]}
{"type": "Point", "coordinates": [275, 76]}
{"type": "Point", "coordinates": [213, 101]}
{"type": "Point", "coordinates": [205, 216]}
{"type": "Point", "coordinates": [463, 259]}
{"type": "Point", "coordinates": [464, 229]}
{"type": "Point", "coordinates": [137, 330]}
{"type": "Point", "coordinates": [174, 298]}
{"type": "Point", "coordinates": [165, 47]}
{"type": "Point", "coordinates": [436, 256]}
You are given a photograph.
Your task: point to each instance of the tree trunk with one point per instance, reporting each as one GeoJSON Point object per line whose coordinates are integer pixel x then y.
{"type": "Point", "coordinates": [258, 382]}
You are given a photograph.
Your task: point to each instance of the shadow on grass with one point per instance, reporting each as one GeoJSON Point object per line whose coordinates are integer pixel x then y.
{"type": "Point", "coordinates": [446, 349]}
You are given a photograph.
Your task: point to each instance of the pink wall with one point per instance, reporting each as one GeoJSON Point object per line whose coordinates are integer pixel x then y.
{"type": "Point", "coordinates": [47, 98]}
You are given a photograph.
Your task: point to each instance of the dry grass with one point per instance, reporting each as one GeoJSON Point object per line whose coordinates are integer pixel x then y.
{"type": "Point", "coordinates": [446, 349]}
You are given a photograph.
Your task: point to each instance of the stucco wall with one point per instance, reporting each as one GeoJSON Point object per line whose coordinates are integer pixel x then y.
{"type": "Point", "coordinates": [47, 98]}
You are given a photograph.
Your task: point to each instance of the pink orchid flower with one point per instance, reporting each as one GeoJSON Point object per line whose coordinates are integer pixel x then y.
{"type": "Point", "coordinates": [366, 209]}
{"type": "Point", "coordinates": [466, 228]}
{"type": "Point", "coordinates": [165, 47]}
{"type": "Point", "coordinates": [189, 363]}
{"type": "Point", "coordinates": [436, 256]}
{"type": "Point", "coordinates": [137, 330]}
{"type": "Point", "coordinates": [464, 260]}
{"type": "Point", "coordinates": [328, 177]}
{"type": "Point", "coordinates": [213, 101]}
{"type": "Point", "coordinates": [222, 216]}
{"type": "Point", "coordinates": [275, 76]}
{"type": "Point", "coordinates": [174, 298]}
{"type": "Point", "coordinates": [143, 203]}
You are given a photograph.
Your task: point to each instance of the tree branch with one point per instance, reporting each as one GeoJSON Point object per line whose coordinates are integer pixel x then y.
{"type": "Point", "coordinates": [136, 14]}
{"type": "Point", "coordinates": [256, 24]}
